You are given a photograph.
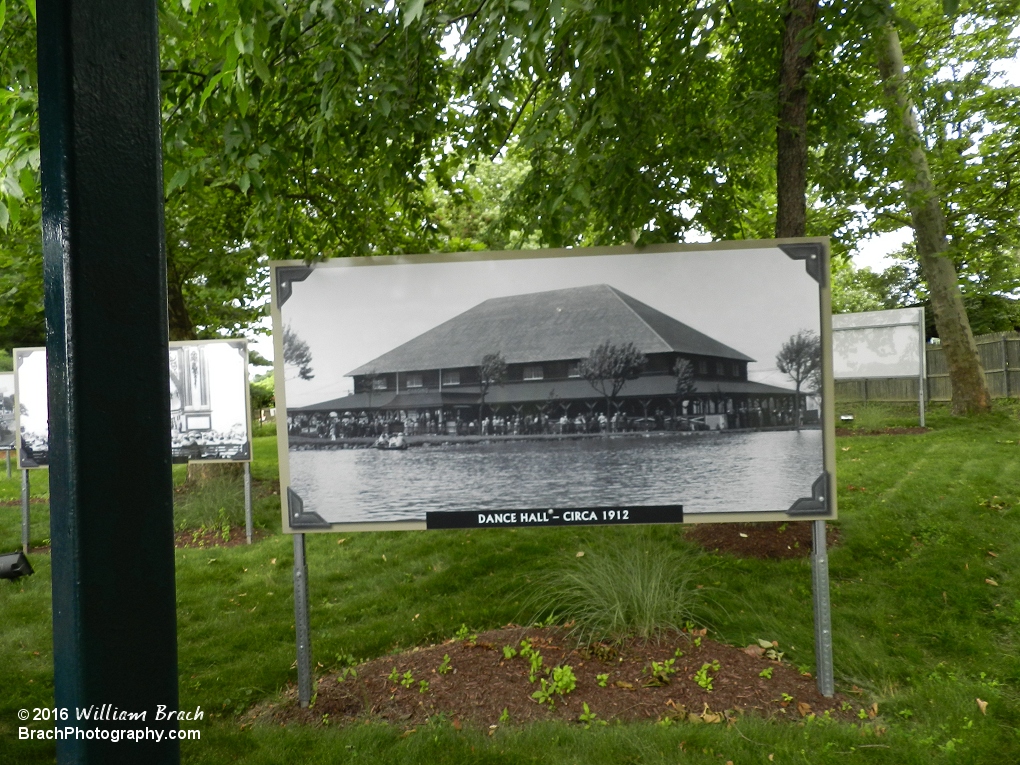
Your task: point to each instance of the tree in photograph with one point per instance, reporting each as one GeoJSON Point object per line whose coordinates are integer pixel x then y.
{"type": "Point", "coordinates": [296, 353]}
{"type": "Point", "coordinates": [800, 359]}
{"type": "Point", "coordinates": [683, 372]}
{"type": "Point", "coordinates": [493, 371]}
{"type": "Point", "coordinates": [608, 367]}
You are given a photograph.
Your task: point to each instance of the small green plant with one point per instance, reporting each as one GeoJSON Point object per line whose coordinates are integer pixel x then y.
{"type": "Point", "coordinates": [423, 686]}
{"type": "Point", "coordinates": [702, 678]}
{"type": "Point", "coordinates": [407, 679]}
{"type": "Point", "coordinates": [535, 667]}
{"type": "Point", "coordinates": [224, 524]}
{"type": "Point", "coordinates": [445, 667]}
{"type": "Point", "coordinates": [766, 673]}
{"type": "Point", "coordinates": [589, 718]}
{"type": "Point", "coordinates": [697, 642]}
{"type": "Point", "coordinates": [394, 676]}
{"type": "Point", "coordinates": [509, 652]}
{"type": "Point", "coordinates": [346, 672]}
{"type": "Point", "coordinates": [602, 680]}
{"type": "Point", "coordinates": [534, 658]}
{"type": "Point", "coordinates": [660, 671]}
{"type": "Point", "coordinates": [678, 653]}
{"type": "Point", "coordinates": [846, 706]}
{"type": "Point", "coordinates": [788, 698]}
{"type": "Point", "coordinates": [562, 682]}
{"type": "Point", "coordinates": [465, 635]}
{"type": "Point", "coordinates": [862, 715]}
{"type": "Point", "coordinates": [505, 716]}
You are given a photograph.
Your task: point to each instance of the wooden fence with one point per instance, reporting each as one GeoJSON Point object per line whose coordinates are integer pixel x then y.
{"type": "Point", "coordinates": [1000, 358]}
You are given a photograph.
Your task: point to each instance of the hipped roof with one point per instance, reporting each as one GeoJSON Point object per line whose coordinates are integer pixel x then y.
{"type": "Point", "coordinates": [547, 326]}
{"type": "Point", "coordinates": [542, 390]}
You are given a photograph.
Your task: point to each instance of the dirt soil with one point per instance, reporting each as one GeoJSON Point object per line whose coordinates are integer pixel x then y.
{"type": "Point", "coordinates": [214, 537]}
{"type": "Point", "coordinates": [479, 685]}
{"type": "Point", "coordinates": [758, 540]}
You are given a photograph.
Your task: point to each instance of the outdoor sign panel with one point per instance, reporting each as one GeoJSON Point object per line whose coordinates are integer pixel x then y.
{"type": "Point", "coordinates": [875, 344]}
{"type": "Point", "coordinates": [7, 429]}
{"type": "Point", "coordinates": [31, 410]}
{"type": "Point", "coordinates": [478, 389]}
{"type": "Point", "coordinates": [210, 419]}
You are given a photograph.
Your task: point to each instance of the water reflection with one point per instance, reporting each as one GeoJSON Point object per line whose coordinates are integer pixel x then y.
{"type": "Point", "coordinates": [717, 472]}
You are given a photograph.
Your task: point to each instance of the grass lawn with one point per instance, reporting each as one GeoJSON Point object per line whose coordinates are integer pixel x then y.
{"type": "Point", "coordinates": [925, 617]}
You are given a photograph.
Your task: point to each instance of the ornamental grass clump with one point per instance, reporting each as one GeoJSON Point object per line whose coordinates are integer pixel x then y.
{"type": "Point", "coordinates": [613, 594]}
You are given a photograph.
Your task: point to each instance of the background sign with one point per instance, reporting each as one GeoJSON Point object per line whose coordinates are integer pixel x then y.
{"type": "Point", "coordinates": [210, 419]}
{"type": "Point", "coordinates": [427, 391]}
{"type": "Point", "coordinates": [878, 344]}
{"type": "Point", "coordinates": [7, 426]}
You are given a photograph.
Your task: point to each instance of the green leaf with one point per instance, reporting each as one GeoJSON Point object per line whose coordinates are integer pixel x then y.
{"type": "Point", "coordinates": [950, 7]}
{"type": "Point", "coordinates": [30, 4]}
{"type": "Point", "coordinates": [4, 217]}
{"type": "Point", "coordinates": [260, 68]}
{"type": "Point", "coordinates": [413, 11]}
{"type": "Point", "coordinates": [244, 183]}
{"type": "Point", "coordinates": [239, 40]}
{"type": "Point", "coordinates": [521, 5]}
{"type": "Point", "coordinates": [3, 13]}
{"type": "Point", "coordinates": [179, 179]}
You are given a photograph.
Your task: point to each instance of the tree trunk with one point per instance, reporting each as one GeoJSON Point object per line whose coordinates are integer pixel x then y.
{"type": "Point", "coordinates": [791, 130]}
{"type": "Point", "coordinates": [970, 392]}
{"type": "Point", "coordinates": [181, 327]}
{"type": "Point", "coordinates": [201, 473]}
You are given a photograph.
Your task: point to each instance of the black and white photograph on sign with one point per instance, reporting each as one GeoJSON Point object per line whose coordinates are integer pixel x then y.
{"type": "Point", "coordinates": [638, 379]}
{"type": "Point", "coordinates": [7, 418]}
{"type": "Point", "coordinates": [32, 408]}
{"type": "Point", "coordinates": [209, 401]}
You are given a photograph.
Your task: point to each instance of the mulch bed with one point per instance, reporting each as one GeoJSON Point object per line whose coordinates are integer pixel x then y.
{"type": "Point", "coordinates": [911, 431]}
{"type": "Point", "coordinates": [758, 540]}
{"type": "Point", "coordinates": [484, 688]}
{"type": "Point", "coordinates": [214, 538]}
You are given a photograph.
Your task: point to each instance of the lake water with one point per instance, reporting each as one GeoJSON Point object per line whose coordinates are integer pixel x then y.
{"type": "Point", "coordinates": [714, 472]}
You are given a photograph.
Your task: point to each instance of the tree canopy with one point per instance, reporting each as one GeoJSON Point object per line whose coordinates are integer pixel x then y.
{"type": "Point", "coordinates": [341, 128]}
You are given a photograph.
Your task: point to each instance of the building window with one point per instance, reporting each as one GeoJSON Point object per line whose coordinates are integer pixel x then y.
{"type": "Point", "coordinates": [720, 368]}
{"type": "Point", "coordinates": [702, 367]}
{"type": "Point", "coordinates": [736, 369]}
{"type": "Point", "coordinates": [574, 369]}
{"type": "Point", "coordinates": [533, 372]}
{"type": "Point", "coordinates": [451, 377]}
{"type": "Point", "coordinates": [379, 383]}
{"type": "Point", "coordinates": [413, 380]}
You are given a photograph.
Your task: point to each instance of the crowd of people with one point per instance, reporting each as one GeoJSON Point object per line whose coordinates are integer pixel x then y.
{"type": "Point", "coordinates": [336, 426]}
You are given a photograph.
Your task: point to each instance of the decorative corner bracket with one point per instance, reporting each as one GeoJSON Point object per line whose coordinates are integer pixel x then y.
{"type": "Point", "coordinates": [299, 518]}
{"type": "Point", "coordinates": [817, 503]}
{"type": "Point", "coordinates": [811, 253]}
{"type": "Point", "coordinates": [285, 278]}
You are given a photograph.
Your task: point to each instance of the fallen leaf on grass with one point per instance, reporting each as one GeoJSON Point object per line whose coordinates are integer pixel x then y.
{"type": "Point", "coordinates": [991, 582]}
{"type": "Point", "coordinates": [754, 650]}
{"type": "Point", "coordinates": [456, 723]}
{"type": "Point", "coordinates": [873, 711]}
{"type": "Point", "coordinates": [994, 555]}
{"type": "Point", "coordinates": [804, 708]}
{"type": "Point", "coordinates": [625, 685]}
{"type": "Point", "coordinates": [982, 705]}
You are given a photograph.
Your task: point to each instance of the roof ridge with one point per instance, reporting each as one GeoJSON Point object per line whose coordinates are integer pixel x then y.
{"type": "Point", "coordinates": [619, 294]}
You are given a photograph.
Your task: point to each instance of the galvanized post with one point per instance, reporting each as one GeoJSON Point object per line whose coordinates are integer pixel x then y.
{"type": "Point", "coordinates": [247, 502]}
{"type": "Point", "coordinates": [8, 463]}
{"type": "Point", "coordinates": [924, 366]}
{"type": "Point", "coordinates": [822, 607]}
{"type": "Point", "coordinates": [104, 276]}
{"type": "Point", "coordinates": [26, 491]}
{"type": "Point", "coordinates": [302, 630]}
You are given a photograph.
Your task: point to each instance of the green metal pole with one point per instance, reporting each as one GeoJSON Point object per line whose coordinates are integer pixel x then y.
{"type": "Point", "coordinates": [104, 271]}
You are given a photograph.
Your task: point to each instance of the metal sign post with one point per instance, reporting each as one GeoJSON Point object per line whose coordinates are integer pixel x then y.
{"type": "Point", "coordinates": [822, 608]}
{"type": "Point", "coordinates": [8, 463]}
{"type": "Point", "coordinates": [301, 627]}
{"type": "Point", "coordinates": [247, 502]}
{"type": "Point", "coordinates": [924, 366]}
{"type": "Point", "coordinates": [25, 494]}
